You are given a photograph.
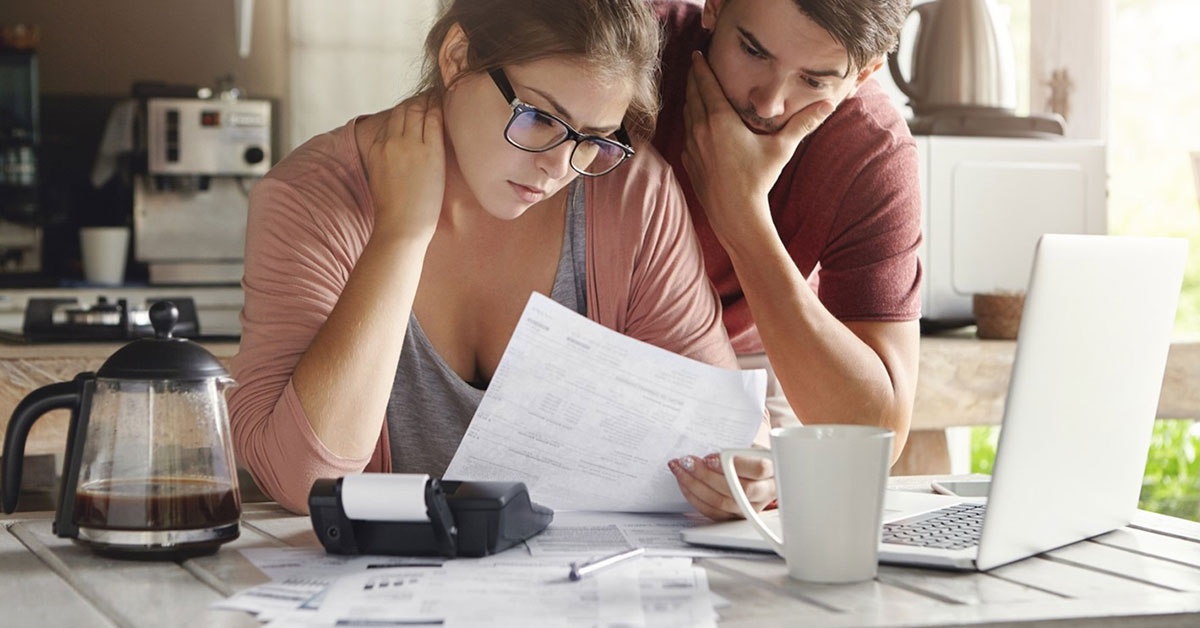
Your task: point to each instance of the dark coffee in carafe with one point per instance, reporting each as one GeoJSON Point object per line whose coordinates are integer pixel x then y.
{"type": "Point", "coordinates": [156, 504]}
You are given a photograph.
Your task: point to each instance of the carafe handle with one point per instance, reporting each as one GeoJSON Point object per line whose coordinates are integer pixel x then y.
{"type": "Point", "coordinates": [63, 395]}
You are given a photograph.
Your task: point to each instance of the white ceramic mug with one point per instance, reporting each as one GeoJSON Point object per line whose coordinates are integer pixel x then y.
{"type": "Point", "coordinates": [831, 481]}
{"type": "Point", "coordinates": [104, 250]}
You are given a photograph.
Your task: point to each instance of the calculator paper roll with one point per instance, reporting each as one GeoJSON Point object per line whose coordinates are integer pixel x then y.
{"type": "Point", "coordinates": [385, 496]}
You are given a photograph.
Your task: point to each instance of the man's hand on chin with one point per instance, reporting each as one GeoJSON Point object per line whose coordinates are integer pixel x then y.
{"type": "Point", "coordinates": [731, 167]}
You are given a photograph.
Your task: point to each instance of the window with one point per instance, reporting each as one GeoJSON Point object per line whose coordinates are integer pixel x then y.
{"type": "Point", "coordinates": [1155, 122]}
{"type": "Point", "coordinates": [351, 58]}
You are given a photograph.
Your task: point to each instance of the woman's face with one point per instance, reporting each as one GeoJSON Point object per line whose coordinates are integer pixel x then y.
{"type": "Point", "coordinates": [504, 179]}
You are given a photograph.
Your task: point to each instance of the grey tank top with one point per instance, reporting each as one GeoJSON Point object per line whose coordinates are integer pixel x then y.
{"type": "Point", "coordinates": [431, 406]}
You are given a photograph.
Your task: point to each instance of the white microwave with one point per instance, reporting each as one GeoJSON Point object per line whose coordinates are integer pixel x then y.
{"type": "Point", "coordinates": [986, 200]}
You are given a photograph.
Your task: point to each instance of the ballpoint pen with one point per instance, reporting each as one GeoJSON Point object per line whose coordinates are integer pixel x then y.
{"type": "Point", "coordinates": [592, 566]}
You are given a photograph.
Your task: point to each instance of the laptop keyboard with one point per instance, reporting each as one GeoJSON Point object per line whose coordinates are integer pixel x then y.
{"type": "Point", "coordinates": [953, 528]}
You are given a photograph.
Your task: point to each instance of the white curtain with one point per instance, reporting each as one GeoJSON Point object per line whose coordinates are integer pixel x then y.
{"type": "Point", "coordinates": [351, 57]}
{"type": "Point", "coordinates": [1074, 37]}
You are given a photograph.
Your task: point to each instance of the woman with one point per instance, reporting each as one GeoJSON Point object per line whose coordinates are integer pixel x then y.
{"type": "Point", "coordinates": [388, 261]}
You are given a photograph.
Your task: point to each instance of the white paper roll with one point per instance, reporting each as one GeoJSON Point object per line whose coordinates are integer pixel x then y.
{"type": "Point", "coordinates": [385, 496]}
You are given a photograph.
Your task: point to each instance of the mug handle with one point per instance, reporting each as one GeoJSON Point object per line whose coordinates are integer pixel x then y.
{"type": "Point", "coordinates": [739, 494]}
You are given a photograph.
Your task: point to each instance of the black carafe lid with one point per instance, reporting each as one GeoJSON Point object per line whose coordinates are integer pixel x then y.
{"type": "Point", "coordinates": [162, 357]}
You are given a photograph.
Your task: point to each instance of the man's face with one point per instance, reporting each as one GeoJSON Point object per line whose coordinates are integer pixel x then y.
{"type": "Point", "coordinates": [772, 60]}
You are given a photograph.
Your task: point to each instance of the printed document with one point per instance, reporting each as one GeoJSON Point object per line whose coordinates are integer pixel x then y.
{"type": "Point", "coordinates": [587, 418]}
{"type": "Point", "coordinates": [300, 574]}
{"type": "Point", "coordinates": [579, 534]}
{"type": "Point", "coordinates": [645, 592]}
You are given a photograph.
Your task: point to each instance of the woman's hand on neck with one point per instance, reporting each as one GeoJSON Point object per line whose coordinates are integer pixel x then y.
{"type": "Point", "coordinates": [405, 161]}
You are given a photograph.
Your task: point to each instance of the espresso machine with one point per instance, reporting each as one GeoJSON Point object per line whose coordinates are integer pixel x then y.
{"type": "Point", "coordinates": [20, 222]}
{"type": "Point", "coordinates": [202, 156]}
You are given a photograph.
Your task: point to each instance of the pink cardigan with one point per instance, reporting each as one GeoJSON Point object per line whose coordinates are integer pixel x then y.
{"type": "Point", "coordinates": [310, 219]}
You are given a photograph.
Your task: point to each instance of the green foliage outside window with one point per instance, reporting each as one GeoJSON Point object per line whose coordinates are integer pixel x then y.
{"type": "Point", "coordinates": [1171, 485]}
{"type": "Point", "coordinates": [983, 448]}
{"type": "Point", "coordinates": [1172, 481]}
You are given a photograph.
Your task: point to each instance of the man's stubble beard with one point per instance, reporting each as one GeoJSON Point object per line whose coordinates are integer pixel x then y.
{"type": "Point", "coordinates": [757, 124]}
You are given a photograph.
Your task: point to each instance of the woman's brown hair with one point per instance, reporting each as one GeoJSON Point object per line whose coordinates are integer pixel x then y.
{"type": "Point", "coordinates": [616, 40]}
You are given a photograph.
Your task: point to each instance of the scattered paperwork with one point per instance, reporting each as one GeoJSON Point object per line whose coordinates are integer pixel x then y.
{"type": "Point", "coordinates": [313, 589]}
{"type": "Point", "coordinates": [643, 592]}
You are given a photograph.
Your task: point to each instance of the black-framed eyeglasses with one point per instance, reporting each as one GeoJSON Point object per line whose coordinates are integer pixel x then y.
{"type": "Point", "coordinates": [536, 131]}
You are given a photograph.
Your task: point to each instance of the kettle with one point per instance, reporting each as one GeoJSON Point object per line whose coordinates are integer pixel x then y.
{"type": "Point", "coordinates": [148, 470]}
{"type": "Point", "coordinates": [961, 62]}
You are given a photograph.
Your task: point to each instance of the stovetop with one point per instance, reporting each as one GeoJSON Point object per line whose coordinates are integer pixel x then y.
{"type": "Point", "coordinates": [71, 314]}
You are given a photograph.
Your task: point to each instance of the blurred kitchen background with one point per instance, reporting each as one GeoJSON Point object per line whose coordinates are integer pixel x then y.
{"type": "Point", "coordinates": [138, 127]}
{"type": "Point", "coordinates": [155, 118]}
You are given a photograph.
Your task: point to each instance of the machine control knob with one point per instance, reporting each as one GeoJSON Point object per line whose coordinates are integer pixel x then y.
{"type": "Point", "coordinates": [254, 155]}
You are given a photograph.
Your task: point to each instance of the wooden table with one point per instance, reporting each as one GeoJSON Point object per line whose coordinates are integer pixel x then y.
{"type": "Point", "coordinates": [1147, 574]}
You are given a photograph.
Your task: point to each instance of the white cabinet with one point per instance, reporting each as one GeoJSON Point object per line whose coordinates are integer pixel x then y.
{"type": "Point", "coordinates": [988, 199]}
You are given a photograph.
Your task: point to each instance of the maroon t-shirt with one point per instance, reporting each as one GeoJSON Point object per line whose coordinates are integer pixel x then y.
{"type": "Point", "coordinates": [848, 203]}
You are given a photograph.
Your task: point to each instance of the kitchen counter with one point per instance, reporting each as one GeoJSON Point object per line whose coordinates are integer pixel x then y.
{"type": "Point", "coordinates": [217, 306]}
{"type": "Point", "coordinates": [963, 381]}
{"type": "Point", "coordinates": [88, 351]}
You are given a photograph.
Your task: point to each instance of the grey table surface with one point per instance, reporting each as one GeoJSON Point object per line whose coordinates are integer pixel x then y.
{"type": "Point", "coordinates": [1146, 574]}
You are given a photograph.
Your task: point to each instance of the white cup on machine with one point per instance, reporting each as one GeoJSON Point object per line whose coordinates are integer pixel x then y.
{"type": "Point", "coordinates": [104, 250]}
{"type": "Point", "coordinates": [831, 481]}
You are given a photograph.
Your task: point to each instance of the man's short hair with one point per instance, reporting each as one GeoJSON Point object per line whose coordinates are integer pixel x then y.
{"type": "Point", "coordinates": [865, 28]}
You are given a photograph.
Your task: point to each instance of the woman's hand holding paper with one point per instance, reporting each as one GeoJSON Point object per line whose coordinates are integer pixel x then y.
{"type": "Point", "coordinates": [703, 484]}
{"type": "Point", "coordinates": [406, 169]}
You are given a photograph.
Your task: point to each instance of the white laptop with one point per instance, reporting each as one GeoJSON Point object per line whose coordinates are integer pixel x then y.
{"type": "Point", "coordinates": [1077, 421]}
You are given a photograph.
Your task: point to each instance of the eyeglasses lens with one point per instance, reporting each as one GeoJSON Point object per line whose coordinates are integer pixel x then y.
{"type": "Point", "coordinates": [595, 157]}
{"type": "Point", "coordinates": [536, 131]}
{"type": "Point", "coordinates": [533, 130]}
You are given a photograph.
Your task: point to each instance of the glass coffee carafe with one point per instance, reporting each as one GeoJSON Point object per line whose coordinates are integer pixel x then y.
{"type": "Point", "coordinates": [149, 469]}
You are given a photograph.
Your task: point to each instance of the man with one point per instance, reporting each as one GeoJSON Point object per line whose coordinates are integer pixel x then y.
{"type": "Point", "coordinates": [801, 178]}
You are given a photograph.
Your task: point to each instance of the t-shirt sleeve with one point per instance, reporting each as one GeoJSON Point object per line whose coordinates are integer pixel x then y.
{"type": "Point", "coordinates": [296, 267]}
{"type": "Point", "coordinates": [672, 304]}
{"type": "Point", "coordinates": [870, 269]}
